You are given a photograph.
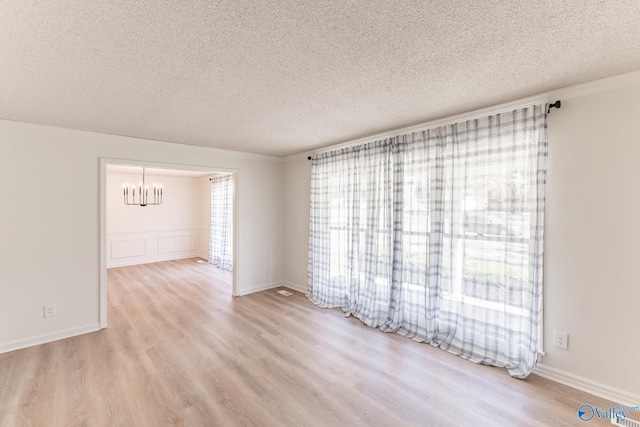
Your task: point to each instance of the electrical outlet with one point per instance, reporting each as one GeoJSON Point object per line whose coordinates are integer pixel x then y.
{"type": "Point", "coordinates": [561, 340]}
{"type": "Point", "coordinates": [49, 310]}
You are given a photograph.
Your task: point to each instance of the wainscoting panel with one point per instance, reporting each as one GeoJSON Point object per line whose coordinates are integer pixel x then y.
{"type": "Point", "coordinates": [128, 248]}
{"type": "Point", "coordinates": [153, 246]}
{"type": "Point", "coordinates": [204, 244]}
{"type": "Point", "coordinates": [167, 245]}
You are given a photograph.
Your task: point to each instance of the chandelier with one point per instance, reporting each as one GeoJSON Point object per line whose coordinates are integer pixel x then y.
{"type": "Point", "coordinates": [141, 196]}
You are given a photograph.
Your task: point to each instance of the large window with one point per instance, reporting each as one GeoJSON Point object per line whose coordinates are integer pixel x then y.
{"type": "Point", "coordinates": [221, 235]}
{"type": "Point", "coordinates": [437, 235]}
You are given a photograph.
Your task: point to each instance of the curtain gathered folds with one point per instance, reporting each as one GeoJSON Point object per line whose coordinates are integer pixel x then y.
{"type": "Point", "coordinates": [221, 235]}
{"type": "Point", "coordinates": [438, 236]}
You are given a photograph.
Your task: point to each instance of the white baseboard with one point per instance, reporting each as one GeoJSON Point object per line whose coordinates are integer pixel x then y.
{"type": "Point", "coordinates": [616, 395]}
{"type": "Point", "coordinates": [273, 285]}
{"type": "Point", "coordinates": [151, 260]}
{"type": "Point", "coordinates": [259, 288]}
{"type": "Point", "coordinates": [294, 286]}
{"type": "Point", "coordinates": [46, 338]}
{"type": "Point", "coordinates": [135, 248]}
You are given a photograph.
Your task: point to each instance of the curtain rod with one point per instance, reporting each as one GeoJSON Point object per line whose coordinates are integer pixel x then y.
{"type": "Point", "coordinates": [556, 104]}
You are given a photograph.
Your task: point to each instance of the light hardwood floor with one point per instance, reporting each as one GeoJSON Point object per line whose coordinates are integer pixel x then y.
{"type": "Point", "coordinates": [179, 350]}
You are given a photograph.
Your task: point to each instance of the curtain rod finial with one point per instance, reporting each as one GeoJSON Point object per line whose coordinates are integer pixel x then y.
{"type": "Point", "coordinates": [556, 104]}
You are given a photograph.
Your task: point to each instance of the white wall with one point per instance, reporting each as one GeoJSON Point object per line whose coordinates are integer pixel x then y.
{"type": "Point", "coordinates": [592, 241]}
{"type": "Point", "coordinates": [172, 230]}
{"type": "Point", "coordinates": [297, 183]}
{"type": "Point", "coordinates": [49, 223]}
{"type": "Point", "coordinates": [592, 237]}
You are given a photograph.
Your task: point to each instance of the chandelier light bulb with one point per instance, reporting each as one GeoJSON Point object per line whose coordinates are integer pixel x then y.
{"type": "Point", "coordinates": [142, 199]}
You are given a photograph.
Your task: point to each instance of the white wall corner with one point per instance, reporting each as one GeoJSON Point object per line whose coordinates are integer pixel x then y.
{"type": "Point", "coordinates": [296, 287]}
{"type": "Point", "coordinates": [203, 250]}
{"type": "Point", "coordinates": [616, 395]}
{"type": "Point", "coordinates": [263, 287]}
{"type": "Point", "coordinates": [273, 285]}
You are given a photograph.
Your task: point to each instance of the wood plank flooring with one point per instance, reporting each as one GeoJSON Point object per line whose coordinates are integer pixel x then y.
{"type": "Point", "coordinates": [179, 350]}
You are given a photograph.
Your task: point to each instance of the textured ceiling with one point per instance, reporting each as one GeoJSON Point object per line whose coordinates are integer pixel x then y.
{"type": "Point", "coordinates": [281, 77]}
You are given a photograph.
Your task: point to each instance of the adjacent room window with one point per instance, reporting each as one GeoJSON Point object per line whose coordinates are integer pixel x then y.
{"type": "Point", "coordinates": [437, 235]}
{"type": "Point", "coordinates": [221, 235]}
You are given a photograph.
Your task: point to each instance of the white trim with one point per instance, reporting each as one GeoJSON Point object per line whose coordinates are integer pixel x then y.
{"type": "Point", "coordinates": [102, 250]}
{"type": "Point", "coordinates": [103, 213]}
{"type": "Point", "coordinates": [170, 257]}
{"type": "Point", "coordinates": [259, 288]}
{"type": "Point", "coordinates": [168, 231]}
{"type": "Point", "coordinates": [616, 395]}
{"type": "Point", "coordinates": [594, 86]}
{"type": "Point", "coordinates": [273, 285]}
{"type": "Point", "coordinates": [47, 338]}
{"type": "Point", "coordinates": [153, 143]}
{"type": "Point", "coordinates": [294, 286]}
{"type": "Point", "coordinates": [145, 142]}
{"type": "Point", "coordinates": [303, 155]}
{"type": "Point", "coordinates": [171, 166]}
{"type": "Point", "coordinates": [235, 278]}
{"type": "Point", "coordinates": [151, 243]}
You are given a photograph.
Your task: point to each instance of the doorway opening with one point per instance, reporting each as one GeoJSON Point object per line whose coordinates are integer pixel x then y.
{"type": "Point", "coordinates": [180, 227]}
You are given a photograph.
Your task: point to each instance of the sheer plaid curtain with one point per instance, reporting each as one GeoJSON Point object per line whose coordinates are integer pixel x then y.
{"type": "Point", "coordinates": [351, 220]}
{"type": "Point", "coordinates": [221, 235]}
{"type": "Point", "coordinates": [438, 235]}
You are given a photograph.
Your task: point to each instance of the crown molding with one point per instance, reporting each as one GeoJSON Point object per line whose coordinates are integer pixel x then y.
{"type": "Point", "coordinates": [145, 142]}
{"type": "Point", "coordinates": [591, 87]}
{"type": "Point", "coordinates": [594, 86]}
